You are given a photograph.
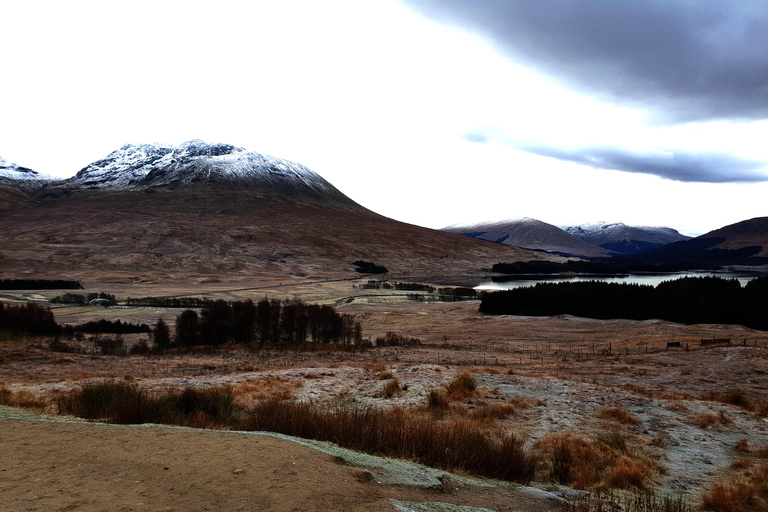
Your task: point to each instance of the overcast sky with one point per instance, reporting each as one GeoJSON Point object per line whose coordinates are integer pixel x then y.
{"type": "Point", "coordinates": [434, 112]}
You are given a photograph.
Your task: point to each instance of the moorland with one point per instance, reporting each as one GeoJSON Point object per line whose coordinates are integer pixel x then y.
{"type": "Point", "coordinates": [264, 347]}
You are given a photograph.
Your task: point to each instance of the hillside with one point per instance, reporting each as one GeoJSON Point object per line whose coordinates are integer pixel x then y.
{"type": "Point", "coordinates": [531, 234]}
{"type": "Point", "coordinates": [744, 243]}
{"type": "Point", "coordinates": [211, 210]}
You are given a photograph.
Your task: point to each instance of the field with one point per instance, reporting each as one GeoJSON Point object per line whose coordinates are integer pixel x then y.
{"type": "Point", "coordinates": [602, 405]}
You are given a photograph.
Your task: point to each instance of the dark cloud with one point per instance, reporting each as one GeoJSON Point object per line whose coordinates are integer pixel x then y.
{"type": "Point", "coordinates": [676, 165]}
{"type": "Point", "coordinates": [685, 60]}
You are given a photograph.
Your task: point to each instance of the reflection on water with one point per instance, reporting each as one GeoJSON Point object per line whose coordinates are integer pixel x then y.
{"type": "Point", "coordinates": [511, 282]}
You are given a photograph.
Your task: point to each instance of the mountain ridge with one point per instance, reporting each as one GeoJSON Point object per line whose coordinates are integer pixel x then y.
{"type": "Point", "coordinates": [531, 234]}
{"type": "Point", "coordinates": [624, 239]}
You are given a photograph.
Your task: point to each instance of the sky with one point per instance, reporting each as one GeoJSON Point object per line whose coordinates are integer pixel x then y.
{"type": "Point", "coordinates": [433, 112]}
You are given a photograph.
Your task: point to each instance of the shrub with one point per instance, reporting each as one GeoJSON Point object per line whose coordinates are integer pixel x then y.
{"type": "Point", "coordinates": [112, 401]}
{"type": "Point", "coordinates": [392, 339]}
{"type": "Point", "coordinates": [122, 402]}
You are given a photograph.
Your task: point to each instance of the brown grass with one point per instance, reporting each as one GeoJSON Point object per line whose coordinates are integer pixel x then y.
{"type": "Point", "coordinates": [747, 492]}
{"type": "Point", "coordinates": [627, 472]}
{"type": "Point", "coordinates": [707, 420]}
{"type": "Point", "coordinates": [619, 414]}
{"type": "Point", "coordinates": [626, 502]}
{"type": "Point", "coordinates": [493, 412]}
{"type": "Point", "coordinates": [729, 497]}
{"type": "Point", "coordinates": [265, 388]}
{"type": "Point", "coordinates": [391, 389]}
{"type": "Point", "coordinates": [21, 398]}
{"type": "Point", "coordinates": [437, 400]}
{"type": "Point", "coordinates": [397, 432]}
{"type": "Point", "coordinates": [591, 464]}
{"type": "Point", "coordinates": [462, 386]}
{"type": "Point", "coordinates": [741, 446]}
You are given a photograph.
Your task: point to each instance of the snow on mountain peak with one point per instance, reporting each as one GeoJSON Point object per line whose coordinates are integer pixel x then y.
{"type": "Point", "coordinates": [10, 170]}
{"type": "Point", "coordinates": [147, 165]}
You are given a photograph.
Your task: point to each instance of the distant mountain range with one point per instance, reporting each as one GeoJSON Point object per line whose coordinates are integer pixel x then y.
{"type": "Point", "coordinates": [532, 234]}
{"type": "Point", "coordinates": [741, 244]}
{"type": "Point", "coordinates": [623, 239]}
{"type": "Point", "coordinates": [597, 240]}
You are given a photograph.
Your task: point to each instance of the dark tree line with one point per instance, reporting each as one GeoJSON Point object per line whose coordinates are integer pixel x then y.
{"type": "Point", "coordinates": [106, 326]}
{"type": "Point", "coordinates": [38, 284]}
{"type": "Point", "coordinates": [690, 300]}
{"type": "Point", "coordinates": [29, 318]}
{"type": "Point", "coordinates": [367, 267]}
{"type": "Point", "coordinates": [268, 322]}
{"type": "Point", "coordinates": [182, 302]}
{"type": "Point", "coordinates": [81, 300]}
{"type": "Point", "coordinates": [386, 285]}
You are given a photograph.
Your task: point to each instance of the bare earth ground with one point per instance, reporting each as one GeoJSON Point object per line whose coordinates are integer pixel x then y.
{"type": "Point", "coordinates": [559, 367]}
{"type": "Point", "coordinates": [54, 465]}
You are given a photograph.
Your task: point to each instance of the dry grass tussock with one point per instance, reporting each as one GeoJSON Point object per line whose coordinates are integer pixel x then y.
{"type": "Point", "coordinates": [619, 414]}
{"type": "Point", "coordinates": [391, 389]}
{"type": "Point", "coordinates": [740, 399]}
{"type": "Point", "coordinates": [707, 420]}
{"type": "Point", "coordinates": [492, 412]}
{"type": "Point", "coordinates": [588, 463]}
{"type": "Point", "coordinates": [746, 488]}
{"type": "Point", "coordinates": [264, 388]}
{"type": "Point", "coordinates": [462, 387]}
{"type": "Point", "coordinates": [21, 398]}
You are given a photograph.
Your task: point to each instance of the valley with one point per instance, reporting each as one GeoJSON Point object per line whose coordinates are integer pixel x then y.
{"type": "Point", "coordinates": [623, 406]}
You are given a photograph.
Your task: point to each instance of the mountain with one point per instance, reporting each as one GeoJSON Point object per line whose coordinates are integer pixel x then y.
{"type": "Point", "coordinates": [744, 243]}
{"type": "Point", "coordinates": [16, 182]}
{"type": "Point", "coordinates": [623, 239]}
{"type": "Point", "coordinates": [10, 173]}
{"type": "Point", "coordinates": [531, 234]}
{"type": "Point", "coordinates": [200, 211]}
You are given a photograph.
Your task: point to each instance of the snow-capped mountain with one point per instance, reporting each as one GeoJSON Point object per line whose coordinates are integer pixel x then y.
{"type": "Point", "coordinates": [160, 165]}
{"type": "Point", "coordinates": [11, 171]}
{"type": "Point", "coordinates": [530, 234]}
{"type": "Point", "coordinates": [215, 209]}
{"type": "Point", "coordinates": [623, 239]}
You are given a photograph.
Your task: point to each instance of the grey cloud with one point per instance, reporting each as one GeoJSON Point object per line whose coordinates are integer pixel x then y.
{"type": "Point", "coordinates": [684, 60]}
{"type": "Point", "coordinates": [676, 165]}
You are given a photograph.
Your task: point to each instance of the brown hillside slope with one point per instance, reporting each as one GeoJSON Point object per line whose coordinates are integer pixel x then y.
{"type": "Point", "coordinates": [211, 231]}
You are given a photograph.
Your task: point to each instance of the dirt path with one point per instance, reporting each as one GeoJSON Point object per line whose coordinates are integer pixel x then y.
{"type": "Point", "coordinates": [50, 465]}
